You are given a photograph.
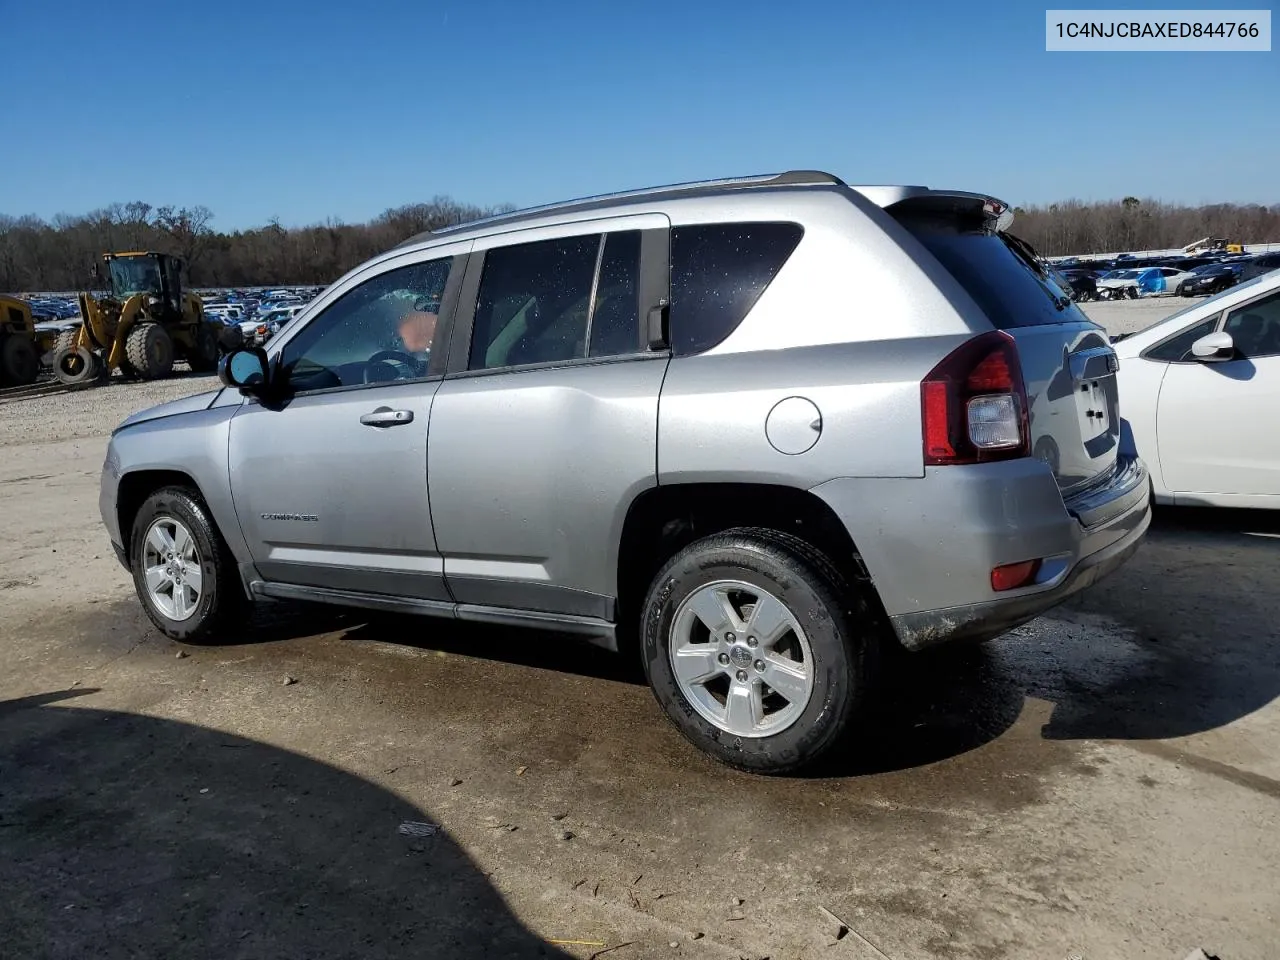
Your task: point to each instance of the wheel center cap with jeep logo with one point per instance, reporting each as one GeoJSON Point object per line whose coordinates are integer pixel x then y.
{"type": "Point", "coordinates": [740, 656]}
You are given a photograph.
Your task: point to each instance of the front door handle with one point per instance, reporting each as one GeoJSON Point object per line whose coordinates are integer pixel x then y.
{"type": "Point", "coordinates": [386, 417]}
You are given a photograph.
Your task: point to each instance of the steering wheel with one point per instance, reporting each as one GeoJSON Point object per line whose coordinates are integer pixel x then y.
{"type": "Point", "coordinates": [398, 357]}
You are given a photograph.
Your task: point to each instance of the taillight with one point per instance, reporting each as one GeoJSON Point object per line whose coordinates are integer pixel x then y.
{"type": "Point", "coordinates": [974, 404]}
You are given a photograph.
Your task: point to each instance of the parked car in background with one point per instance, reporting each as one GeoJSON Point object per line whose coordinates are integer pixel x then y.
{"type": "Point", "coordinates": [1083, 283]}
{"type": "Point", "coordinates": [1259, 265]}
{"type": "Point", "coordinates": [787, 492]}
{"type": "Point", "coordinates": [278, 317]}
{"type": "Point", "coordinates": [1163, 281]}
{"type": "Point", "coordinates": [1202, 398]}
{"type": "Point", "coordinates": [1209, 279]}
{"type": "Point", "coordinates": [1118, 284]}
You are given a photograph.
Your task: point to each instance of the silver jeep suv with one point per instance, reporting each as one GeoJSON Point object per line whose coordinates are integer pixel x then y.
{"type": "Point", "coordinates": [757, 430]}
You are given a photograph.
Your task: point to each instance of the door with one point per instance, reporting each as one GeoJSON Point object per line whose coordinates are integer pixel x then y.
{"type": "Point", "coordinates": [546, 427]}
{"type": "Point", "coordinates": [330, 484]}
{"type": "Point", "coordinates": [1218, 421]}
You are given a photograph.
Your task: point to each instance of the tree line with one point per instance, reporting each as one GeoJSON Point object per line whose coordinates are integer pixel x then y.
{"type": "Point", "coordinates": [1075, 227]}
{"type": "Point", "coordinates": [58, 254]}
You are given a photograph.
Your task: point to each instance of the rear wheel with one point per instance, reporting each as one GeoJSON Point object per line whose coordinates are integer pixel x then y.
{"type": "Point", "coordinates": [19, 361]}
{"type": "Point", "coordinates": [757, 649]}
{"type": "Point", "coordinates": [183, 572]}
{"type": "Point", "coordinates": [149, 350]}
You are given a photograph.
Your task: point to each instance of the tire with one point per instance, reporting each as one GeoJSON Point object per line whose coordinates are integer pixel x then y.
{"type": "Point", "coordinates": [75, 364]}
{"type": "Point", "coordinates": [204, 355]}
{"type": "Point", "coordinates": [835, 625]}
{"type": "Point", "coordinates": [19, 361]}
{"type": "Point", "coordinates": [213, 602]}
{"type": "Point", "coordinates": [149, 350]}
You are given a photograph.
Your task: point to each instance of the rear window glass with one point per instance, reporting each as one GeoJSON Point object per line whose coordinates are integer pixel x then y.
{"type": "Point", "coordinates": [1009, 291]}
{"type": "Point", "coordinates": [718, 272]}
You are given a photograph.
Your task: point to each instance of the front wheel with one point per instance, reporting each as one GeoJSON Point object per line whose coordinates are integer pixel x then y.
{"type": "Point", "coordinates": [75, 364]}
{"type": "Point", "coordinates": [757, 649]}
{"type": "Point", "coordinates": [183, 571]}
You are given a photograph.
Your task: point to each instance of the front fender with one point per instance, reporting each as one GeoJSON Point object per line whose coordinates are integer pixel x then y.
{"type": "Point", "coordinates": [191, 444]}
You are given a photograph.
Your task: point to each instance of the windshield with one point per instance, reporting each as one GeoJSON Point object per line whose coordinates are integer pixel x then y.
{"type": "Point", "coordinates": [135, 275]}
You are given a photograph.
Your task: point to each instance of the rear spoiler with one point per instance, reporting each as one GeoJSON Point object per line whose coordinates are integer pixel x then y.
{"type": "Point", "coordinates": [914, 199]}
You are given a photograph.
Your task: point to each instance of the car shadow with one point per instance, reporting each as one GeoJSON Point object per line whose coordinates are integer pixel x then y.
{"type": "Point", "coordinates": [1178, 641]}
{"type": "Point", "coordinates": [562, 653]}
{"type": "Point", "coordinates": [124, 835]}
{"type": "Point", "coordinates": [1197, 607]}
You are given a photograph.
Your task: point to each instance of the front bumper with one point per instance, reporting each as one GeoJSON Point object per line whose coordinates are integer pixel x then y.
{"type": "Point", "coordinates": [929, 544]}
{"type": "Point", "coordinates": [108, 490]}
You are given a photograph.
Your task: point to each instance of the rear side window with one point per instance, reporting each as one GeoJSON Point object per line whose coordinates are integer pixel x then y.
{"type": "Point", "coordinates": [1010, 291]}
{"type": "Point", "coordinates": [718, 272]}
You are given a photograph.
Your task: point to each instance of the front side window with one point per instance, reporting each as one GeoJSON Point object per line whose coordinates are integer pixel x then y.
{"type": "Point", "coordinates": [1255, 328]}
{"type": "Point", "coordinates": [381, 331]}
{"type": "Point", "coordinates": [1177, 349]}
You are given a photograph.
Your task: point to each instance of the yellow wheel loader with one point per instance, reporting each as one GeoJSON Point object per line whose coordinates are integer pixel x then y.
{"type": "Point", "coordinates": [19, 345]}
{"type": "Point", "coordinates": [140, 327]}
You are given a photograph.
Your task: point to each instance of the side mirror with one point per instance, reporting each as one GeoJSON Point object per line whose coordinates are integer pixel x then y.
{"type": "Point", "coordinates": [1214, 347]}
{"type": "Point", "coordinates": [247, 370]}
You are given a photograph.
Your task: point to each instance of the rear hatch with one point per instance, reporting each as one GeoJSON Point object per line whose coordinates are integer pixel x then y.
{"type": "Point", "coordinates": [1068, 365]}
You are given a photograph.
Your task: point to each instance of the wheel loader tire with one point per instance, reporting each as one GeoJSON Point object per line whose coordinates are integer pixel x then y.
{"type": "Point", "coordinates": [75, 364]}
{"type": "Point", "coordinates": [204, 358]}
{"type": "Point", "coordinates": [149, 349]}
{"type": "Point", "coordinates": [19, 361]}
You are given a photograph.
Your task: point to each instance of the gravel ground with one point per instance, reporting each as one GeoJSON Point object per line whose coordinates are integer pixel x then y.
{"type": "Point", "coordinates": [1102, 782]}
{"type": "Point", "coordinates": [1130, 316]}
{"type": "Point", "coordinates": [91, 412]}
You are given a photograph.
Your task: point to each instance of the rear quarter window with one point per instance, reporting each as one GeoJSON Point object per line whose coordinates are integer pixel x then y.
{"type": "Point", "coordinates": [1007, 289]}
{"type": "Point", "coordinates": [718, 272]}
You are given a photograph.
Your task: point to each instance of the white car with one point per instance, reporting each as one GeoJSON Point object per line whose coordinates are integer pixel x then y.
{"type": "Point", "coordinates": [1200, 393]}
{"type": "Point", "coordinates": [1142, 282]}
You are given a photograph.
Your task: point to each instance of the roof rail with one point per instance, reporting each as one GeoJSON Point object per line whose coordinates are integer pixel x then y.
{"type": "Point", "coordinates": [789, 178]}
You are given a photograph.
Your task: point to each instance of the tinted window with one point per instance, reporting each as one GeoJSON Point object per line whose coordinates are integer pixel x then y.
{"type": "Point", "coordinates": [615, 316]}
{"type": "Point", "coordinates": [1255, 328]}
{"type": "Point", "coordinates": [534, 302]}
{"type": "Point", "coordinates": [1177, 349]}
{"type": "Point", "coordinates": [1010, 291]}
{"type": "Point", "coordinates": [718, 272]}
{"type": "Point", "coordinates": [381, 331]}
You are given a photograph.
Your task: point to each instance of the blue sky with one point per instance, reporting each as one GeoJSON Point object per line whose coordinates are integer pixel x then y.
{"type": "Point", "coordinates": [309, 110]}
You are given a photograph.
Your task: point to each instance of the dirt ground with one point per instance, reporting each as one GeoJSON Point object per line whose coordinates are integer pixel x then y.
{"type": "Point", "coordinates": [1102, 783]}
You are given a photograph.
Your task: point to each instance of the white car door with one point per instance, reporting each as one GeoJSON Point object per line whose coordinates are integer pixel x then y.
{"type": "Point", "coordinates": [1218, 422]}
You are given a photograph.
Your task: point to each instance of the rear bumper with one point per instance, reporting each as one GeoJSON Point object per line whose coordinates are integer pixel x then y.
{"type": "Point", "coordinates": [979, 621]}
{"type": "Point", "coordinates": [930, 544]}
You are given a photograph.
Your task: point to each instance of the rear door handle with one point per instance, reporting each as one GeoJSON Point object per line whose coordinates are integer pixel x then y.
{"type": "Point", "coordinates": [386, 417]}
